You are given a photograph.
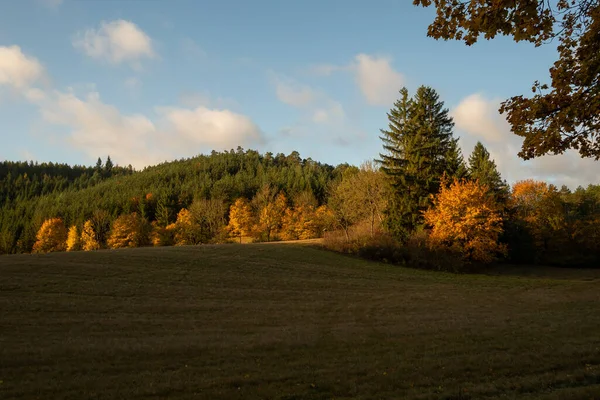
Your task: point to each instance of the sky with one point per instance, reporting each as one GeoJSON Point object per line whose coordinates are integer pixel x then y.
{"type": "Point", "coordinates": [147, 81]}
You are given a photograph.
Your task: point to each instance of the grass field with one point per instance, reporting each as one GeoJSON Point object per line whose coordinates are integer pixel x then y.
{"type": "Point", "coordinates": [289, 322]}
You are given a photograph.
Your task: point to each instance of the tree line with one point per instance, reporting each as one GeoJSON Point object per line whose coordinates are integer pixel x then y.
{"type": "Point", "coordinates": [421, 195]}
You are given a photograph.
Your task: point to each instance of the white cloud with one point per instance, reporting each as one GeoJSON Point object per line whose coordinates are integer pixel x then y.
{"type": "Point", "coordinates": [98, 128]}
{"type": "Point", "coordinates": [477, 118]}
{"type": "Point", "coordinates": [375, 77]}
{"type": "Point", "coordinates": [377, 80]}
{"type": "Point", "coordinates": [211, 128]}
{"type": "Point", "coordinates": [117, 42]}
{"type": "Point", "coordinates": [294, 94]}
{"type": "Point", "coordinates": [18, 70]}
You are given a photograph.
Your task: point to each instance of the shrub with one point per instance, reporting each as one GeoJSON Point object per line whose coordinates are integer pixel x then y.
{"type": "Point", "coordinates": [384, 248]}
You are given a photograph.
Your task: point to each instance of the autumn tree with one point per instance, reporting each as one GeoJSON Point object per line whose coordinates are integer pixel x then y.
{"type": "Point", "coordinates": [270, 217]}
{"type": "Point", "coordinates": [372, 190]}
{"type": "Point", "coordinates": [162, 235]}
{"type": "Point", "coordinates": [129, 230]}
{"type": "Point", "coordinates": [345, 206]}
{"type": "Point", "coordinates": [182, 228]}
{"type": "Point", "coordinates": [560, 115]}
{"type": "Point", "coordinates": [538, 224]}
{"type": "Point", "coordinates": [88, 237]}
{"type": "Point", "coordinates": [240, 219]}
{"type": "Point", "coordinates": [483, 169]}
{"type": "Point", "coordinates": [73, 239]}
{"type": "Point", "coordinates": [208, 219]}
{"type": "Point", "coordinates": [51, 236]}
{"type": "Point", "coordinates": [419, 148]}
{"type": "Point", "coordinates": [465, 219]}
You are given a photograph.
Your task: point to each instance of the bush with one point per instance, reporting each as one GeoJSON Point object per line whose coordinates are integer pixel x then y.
{"type": "Point", "coordinates": [384, 248]}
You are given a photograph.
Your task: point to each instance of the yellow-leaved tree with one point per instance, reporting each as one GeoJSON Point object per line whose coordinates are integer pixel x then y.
{"type": "Point", "coordinates": [129, 230]}
{"type": "Point", "coordinates": [182, 228]}
{"type": "Point", "coordinates": [51, 236]}
{"type": "Point", "coordinates": [88, 237]}
{"type": "Point", "coordinates": [73, 239]}
{"type": "Point", "coordinates": [240, 219]}
{"type": "Point", "coordinates": [466, 219]}
{"type": "Point", "coordinates": [270, 217]}
{"type": "Point", "coordinates": [162, 235]}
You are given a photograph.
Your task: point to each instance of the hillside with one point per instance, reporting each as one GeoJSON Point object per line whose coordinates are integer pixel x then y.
{"type": "Point", "coordinates": [288, 322]}
{"type": "Point", "coordinates": [30, 194]}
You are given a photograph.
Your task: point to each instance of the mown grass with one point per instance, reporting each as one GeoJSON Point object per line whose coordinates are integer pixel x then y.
{"type": "Point", "coordinates": [289, 322]}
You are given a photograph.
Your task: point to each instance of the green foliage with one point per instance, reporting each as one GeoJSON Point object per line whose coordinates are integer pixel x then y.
{"type": "Point", "coordinates": [31, 193]}
{"type": "Point", "coordinates": [419, 150]}
{"type": "Point", "coordinates": [483, 169]}
{"type": "Point", "coordinates": [558, 116]}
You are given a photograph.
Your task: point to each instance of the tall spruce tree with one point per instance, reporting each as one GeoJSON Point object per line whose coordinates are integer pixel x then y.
{"type": "Point", "coordinates": [483, 169]}
{"type": "Point", "coordinates": [419, 149]}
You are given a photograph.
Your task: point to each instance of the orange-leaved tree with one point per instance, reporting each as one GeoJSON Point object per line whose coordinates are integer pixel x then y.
{"type": "Point", "coordinates": [51, 236]}
{"type": "Point", "coordinates": [73, 239]}
{"type": "Point", "coordinates": [162, 235]}
{"type": "Point", "coordinates": [129, 230]}
{"type": "Point", "coordinates": [240, 219]}
{"type": "Point", "coordinates": [466, 219]}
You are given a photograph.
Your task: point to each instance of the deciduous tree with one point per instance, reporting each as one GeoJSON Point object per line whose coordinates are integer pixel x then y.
{"type": "Point", "coordinates": [240, 219]}
{"type": "Point", "coordinates": [129, 230]}
{"type": "Point", "coordinates": [88, 237]}
{"type": "Point", "coordinates": [466, 219]}
{"type": "Point", "coordinates": [51, 236]}
{"type": "Point", "coordinates": [564, 113]}
{"type": "Point", "coordinates": [73, 239]}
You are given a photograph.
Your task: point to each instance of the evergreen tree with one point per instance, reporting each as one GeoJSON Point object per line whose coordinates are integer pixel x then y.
{"type": "Point", "coordinates": [420, 149]}
{"type": "Point", "coordinates": [99, 165]}
{"type": "Point", "coordinates": [483, 169]}
{"type": "Point", "coordinates": [108, 166]}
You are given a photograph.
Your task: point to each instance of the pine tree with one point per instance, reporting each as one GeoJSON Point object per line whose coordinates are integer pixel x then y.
{"type": "Point", "coordinates": [420, 150]}
{"type": "Point", "coordinates": [108, 166]}
{"type": "Point", "coordinates": [483, 169]}
{"type": "Point", "coordinates": [99, 165]}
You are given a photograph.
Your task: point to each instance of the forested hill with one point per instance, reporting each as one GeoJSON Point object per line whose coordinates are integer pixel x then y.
{"type": "Point", "coordinates": [31, 193]}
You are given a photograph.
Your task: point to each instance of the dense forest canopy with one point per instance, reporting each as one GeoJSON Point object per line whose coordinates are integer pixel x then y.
{"type": "Point", "coordinates": [32, 193]}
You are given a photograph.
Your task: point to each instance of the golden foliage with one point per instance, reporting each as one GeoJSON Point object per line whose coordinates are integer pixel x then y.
{"type": "Point", "coordinates": [466, 219]}
{"type": "Point", "coordinates": [51, 236]}
{"type": "Point", "coordinates": [271, 216]}
{"type": "Point", "coordinates": [73, 239]}
{"type": "Point", "coordinates": [129, 230]}
{"type": "Point", "coordinates": [161, 235]}
{"type": "Point", "coordinates": [182, 227]}
{"type": "Point", "coordinates": [240, 219]}
{"type": "Point", "coordinates": [88, 237]}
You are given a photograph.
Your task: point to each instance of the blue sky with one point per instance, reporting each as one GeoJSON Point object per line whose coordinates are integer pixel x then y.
{"type": "Point", "coordinates": [153, 80]}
